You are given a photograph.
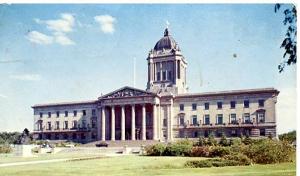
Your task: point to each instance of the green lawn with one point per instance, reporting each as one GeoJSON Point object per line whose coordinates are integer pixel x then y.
{"type": "Point", "coordinates": [141, 165]}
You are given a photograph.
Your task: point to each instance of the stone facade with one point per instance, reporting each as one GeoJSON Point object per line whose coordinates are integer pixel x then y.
{"type": "Point", "coordinates": [165, 111]}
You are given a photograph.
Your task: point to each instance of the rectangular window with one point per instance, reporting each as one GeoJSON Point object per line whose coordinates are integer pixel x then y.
{"type": "Point", "coordinates": [181, 120]}
{"type": "Point", "coordinates": [262, 132]}
{"type": "Point", "coordinates": [219, 105]}
{"type": "Point", "coordinates": [93, 112]}
{"type": "Point", "coordinates": [170, 75]}
{"type": "Point", "coordinates": [194, 106]}
{"type": "Point", "coordinates": [232, 104]}
{"type": "Point", "coordinates": [49, 114]}
{"type": "Point", "coordinates": [206, 119]}
{"type": "Point", "coordinates": [195, 120]}
{"type": "Point", "coordinates": [158, 76]}
{"type": "Point", "coordinates": [83, 112]}
{"type": "Point", "coordinates": [233, 119]}
{"type": "Point", "coordinates": [246, 103]}
{"type": "Point", "coordinates": [66, 113]}
{"type": "Point", "coordinates": [261, 117]}
{"type": "Point", "coordinates": [75, 124]}
{"type": "Point", "coordinates": [57, 125]}
{"type": "Point", "coordinates": [75, 113]}
{"type": "Point", "coordinates": [220, 119]}
{"type": "Point", "coordinates": [41, 114]}
{"type": "Point", "coordinates": [164, 76]}
{"type": "Point", "coordinates": [165, 122]}
{"type": "Point", "coordinates": [247, 118]}
{"type": "Point", "coordinates": [83, 124]}
{"type": "Point", "coordinates": [49, 125]}
{"type": "Point", "coordinates": [206, 106]}
{"type": "Point", "coordinates": [178, 69]}
{"type": "Point", "coordinates": [261, 103]}
{"type": "Point", "coordinates": [66, 125]}
{"type": "Point", "coordinates": [181, 107]}
{"type": "Point", "coordinates": [57, 113]}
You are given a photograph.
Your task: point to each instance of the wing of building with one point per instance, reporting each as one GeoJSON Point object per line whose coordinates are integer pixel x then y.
{"type": "Point", "coordinates": [164, 111]}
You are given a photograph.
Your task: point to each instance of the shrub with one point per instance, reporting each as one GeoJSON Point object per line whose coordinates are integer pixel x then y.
{"type": "Point", "coordinates": [218, 151]}
{"type": "Point", "coordinates": [211, 141]}
{"type": "Point", "coordinates": [224, 141]}
{"type": "Point", "coordinates": [200, 151]}
{"type": "Point", "coordinates": [240, 158]}
{"type": "Point", "coordinates": [155, 150]}
{"type": "Point", "coordinates": [211, 163]}
{"type": "Point", "coordinates": [269, 151]}
{"type": "Point", "coordinates": [198, 164]}
{"type": "Point", "coordinates": [247, 140]}
{"type": "Point", "coordinates": [201, 142]}
{"type": "Point", "coordinates": [5, 149]}
{"type": "Point", "coordinates": [179, 148]}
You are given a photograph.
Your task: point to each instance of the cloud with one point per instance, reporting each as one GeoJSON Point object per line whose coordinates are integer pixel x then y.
{"type": "Point", "coordinates": [63, 39]}
{"type": "Point", "coordinates": [26, 77]}
{"type": "Point", "coordinates": [59, 28]}
{"type": "Point", "coordinates": [106, 23]}
{"type": "Point", "coordinates": [3, 96]}
{"type": "Point", "coordinates": [39, 38]}
{"type": "Point", "coordinates": [7, 61]}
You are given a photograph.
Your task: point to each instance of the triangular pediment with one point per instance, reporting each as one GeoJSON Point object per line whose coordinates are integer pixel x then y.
{"type": "Point", "coordinates": [127, 92]}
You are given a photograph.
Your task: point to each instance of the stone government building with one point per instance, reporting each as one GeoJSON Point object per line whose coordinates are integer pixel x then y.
{"type": "Point", "coordinates": [165, 111]}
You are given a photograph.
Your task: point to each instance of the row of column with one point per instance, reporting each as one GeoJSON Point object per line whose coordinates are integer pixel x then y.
{"type": "Point", "coordinates": [113, 117]}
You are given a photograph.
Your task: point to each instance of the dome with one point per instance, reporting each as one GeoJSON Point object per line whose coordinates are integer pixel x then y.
{"type": "Point", "coordinates": [167, 42]}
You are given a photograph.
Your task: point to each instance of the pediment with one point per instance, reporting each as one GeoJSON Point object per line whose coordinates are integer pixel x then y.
{"type": "Point", "coordinates": [127, 92]}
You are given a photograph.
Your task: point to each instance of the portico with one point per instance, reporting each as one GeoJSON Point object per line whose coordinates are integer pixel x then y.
{"type": "Point", "coordinates": [128, 114]}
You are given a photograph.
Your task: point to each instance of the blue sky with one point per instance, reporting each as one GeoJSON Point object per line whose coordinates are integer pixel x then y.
{"type": "Point", "coordinates": [52, 53]}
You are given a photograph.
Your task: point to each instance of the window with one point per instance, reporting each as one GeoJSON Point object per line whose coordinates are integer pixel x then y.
{"type": "Point", "coordinates": [41, 114]}
{"type": "Point", "coordinates": [83, 112]}
{"type": "Point", "coordinates": [206, 119]}
{"type": "Point", "coordinates": [194, 106]}
{"type": "Point", "coordinates": [56, 136]}
{"type": "Point", "coordinates": [219, 105]}
{"type": "Point", "coordinates": [195, 134]}
{"type": "Point", "coordinates": [181, 107]}
{"type": "Point", "coordinates": [261, 103]}
{"type": "Point", "coordinates": [75, 124]}
{"type": "Point", "coordinates": [93, 112]}
{"type": "Point", "coordinates": [220, 119]}
{"type": "Point", "coordinates": [66, 113]}
{"type": "Point", "coordinates": [93, 123]}
{"type": "Point", "coordinates": [57, 125]}
{"type": "Point", "coordinates": [206, 106]}
{"type": "Point", "coordinates": [165, 122]}
{"type": "Point", "coordinates": [49, 125]}
{"type": "Point", "coordinates": [247, 118]}
{"type": "Point", "coordinates": [49, 114]}
{"type": "Point", "coordinates": [234, 133]}
{"type": "Point", "coordinates": [164, 76]}
{"type": "Point", "coordinates": [66, 125]}
{"type": "Point", "coordinates": [75, 113]}
{"type": "Point", "coordinates": [261, 117]}
{"type": "Point", "coordinates": [57, 113]}
{"type": "Point", "coordinates": [262, 132]}
{"type": "Point", "coordinates": [181, 120]}
{"type": "Point", "coordinates": [206, 133]}
{"type": "Point", "coordinates": [246, 103]}
{"type": "Point", "coordinates": [233, 118]}
{"type": "Point", "coordinates": [158, 76]}
{"type": "Point", "coordinates": [170, 75]}
{"type": "Point", "coordinates": [232, 104]}
{"type": "Point", "coordinates": [194, 118]}
{"type": "Point", "coordinates": [83, 124]}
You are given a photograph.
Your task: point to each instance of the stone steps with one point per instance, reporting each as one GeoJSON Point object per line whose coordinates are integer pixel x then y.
{"type": "Point", "coordinates": [119, 143]}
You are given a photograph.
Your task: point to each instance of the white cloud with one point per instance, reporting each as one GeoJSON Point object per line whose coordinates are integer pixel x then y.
{"type": "Point", "coordinates": [39, 38]}
{"type": "Point", "coordinates": [26, 77]}
{"type": "Point", "coordinates": [63, 39]}
{"type": "Point", "coordinates": [3, 96]}
{"type": "Point", "coordinates": [59, 27]}
{"type": "Point", "coordinates": [64, 24]}
{"type": "Point", "coordinates": [106, 23]}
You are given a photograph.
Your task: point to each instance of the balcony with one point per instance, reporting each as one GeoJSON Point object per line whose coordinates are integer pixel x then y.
{"type": "Point", "coordinates": [226, 125]}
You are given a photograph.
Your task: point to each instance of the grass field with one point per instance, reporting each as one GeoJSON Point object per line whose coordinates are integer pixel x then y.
{"type": "Point", "coordinates": [141, 165]}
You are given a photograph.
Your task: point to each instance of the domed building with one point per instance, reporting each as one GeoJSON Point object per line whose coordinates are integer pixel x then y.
{"type": "Point", "coordinates": [165, 111]}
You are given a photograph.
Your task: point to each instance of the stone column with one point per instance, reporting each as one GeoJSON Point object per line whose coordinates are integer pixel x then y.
{"type": "Point", "coordinates": [113, 117]}
{"type": "Point", "coordinates": [154, 117]}
{"type": "Point", "coordinates": [103, 122]}
{"type": "Point", "coordinates": [133, 122]}
{"type": "Point", "coordinates": [123, 123]}
{"type": "Point", "coordinates": [98, 125]}
{"type": "Point", "coordinates": [144, 122]}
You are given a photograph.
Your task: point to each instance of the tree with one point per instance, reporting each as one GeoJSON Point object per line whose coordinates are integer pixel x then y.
{"type": "Point", "coordinates": [289, 137]}
{"type": "Point", "coordinates": [290, 41]}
